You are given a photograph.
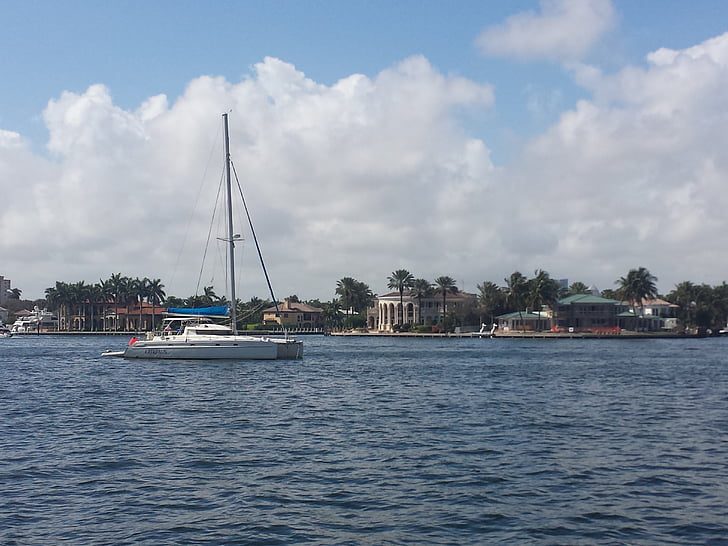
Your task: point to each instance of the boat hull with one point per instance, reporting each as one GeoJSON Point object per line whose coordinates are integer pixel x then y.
{"type": "Point", "coordinates": [237, 349]}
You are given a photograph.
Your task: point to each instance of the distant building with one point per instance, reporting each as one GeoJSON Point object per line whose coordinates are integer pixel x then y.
{"type": "Point", "coordinates": [659, 308]}
{"type": "Point", "coordinates": [386, 311]}
{"type": "Point", "coordinates": [3, 315]}
{"type": "Point", "coordinates": [295, 315]}
{"type": "Point", "coordinates": [587, 312]}
{"type": "Point", "coordinates": [524, 321]}
{"type": "Point", "coordinates": [4, 290]}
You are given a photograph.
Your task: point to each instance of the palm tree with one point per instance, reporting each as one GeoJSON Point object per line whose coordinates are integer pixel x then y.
{"type": "Point", "coordinates": [685, 295]}
{"type": "Point", "coordinates": [638, 285]}
{"type": "Point", "coordinates": [95, 295]}
{"type": "Point", "coordinates": [210, 296]}
{"type": "Point", "coordinates": [138, 291]}
{"type": "Point", "coordinates": [355, 295]}
{"type": "Point", "coordinates": [491, 298]}
{"type": "Point", "coordinates": [155, 295]}
{"type": "Point", "coordinates": [53, 297]}
{"type": "Point", "coordinates": [126, 293]}
{"type": "Point", "coordinates": [78, 294]}
{"type": "Point", "coordinates": [332, 314]}
{"type": "Point", "coordinates": [117, 285]}
{"type": "Point", "coordinates": [363, 297]}
{"type": "Point", "coordinates": [346, 289]}
{"type": "Point", "coordinates": [516, 290]}
{"type": "Point", "coordinates": [60, 297]}
{"type": "Point", "coordinates": [15, 293]}
{"type": "Point", "coordinates": [107, 293]}
{"type": "Point", "coordinates": [421, 288]}
{"type": "Point", "coordinates": [445, 284]}
{"type": "Point", "coordinates": [578, 288]}
{"type": "Point", "coordinates": [543, 290]}
{"type": "Point", "coordinates": [400, 280]}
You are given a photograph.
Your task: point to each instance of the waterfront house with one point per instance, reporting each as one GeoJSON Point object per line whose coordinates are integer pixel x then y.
{"type": "Point", "coordinates": [385, 314]}
{"type": "Point", "coordinates": [524, 321]}
{"type": "Point", "coordinates": [294, 315]}
{"type": "Point", "coordinates": [652, 315]}
{"type": "Point", "coordinates": [587, 312]}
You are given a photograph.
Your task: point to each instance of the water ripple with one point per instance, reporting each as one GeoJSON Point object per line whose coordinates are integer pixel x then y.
{"type": "Point", "coordinates": [367, 441]}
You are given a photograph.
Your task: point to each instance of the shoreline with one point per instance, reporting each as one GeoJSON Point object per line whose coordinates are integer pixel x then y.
{"type": "Point", "coordinates": [528, 335]}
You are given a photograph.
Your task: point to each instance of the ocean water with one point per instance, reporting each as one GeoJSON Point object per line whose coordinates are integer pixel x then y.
{"type": "Point", "coordinates": [367, 441]}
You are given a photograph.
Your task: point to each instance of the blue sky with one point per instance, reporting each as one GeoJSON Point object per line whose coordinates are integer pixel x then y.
{"type": "Point", "coordinates": [139, 48]}
{"type": "Point", "coordinates": [506, 109]}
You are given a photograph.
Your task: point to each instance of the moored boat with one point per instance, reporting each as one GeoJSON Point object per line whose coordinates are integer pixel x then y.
{"type": "Point", "coordinates": [194, 333]}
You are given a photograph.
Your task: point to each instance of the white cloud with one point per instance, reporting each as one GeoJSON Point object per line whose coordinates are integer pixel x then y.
{"type": "Point", "coordinates": [348, 179]}
{"type": "Point", "coordinates": [369, 175]}
{"type": "Point", "coordinates": [564, 30]}
{"type": "Point", "coordinates": [637, 175]}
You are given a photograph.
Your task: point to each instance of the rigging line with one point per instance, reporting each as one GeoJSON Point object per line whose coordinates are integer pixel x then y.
{"type": "Point", "coordinates": [255, 239]}
{"type": "Point", "coordinates": [209, 233]}
{"type": "Point", "coordinates": [214, 146]}
{"type": "Point", "coordinates": [255, 310]}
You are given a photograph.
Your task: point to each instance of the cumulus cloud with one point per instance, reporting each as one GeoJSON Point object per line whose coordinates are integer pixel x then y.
{"type": "Point", "coordinates": [349, 179]}
{"type": "Point", "coordinates": [636, 176]}
{"type": "Point", "coordinates": [372, 174]}
{"type": "Point", "coordinates": [564, 30]}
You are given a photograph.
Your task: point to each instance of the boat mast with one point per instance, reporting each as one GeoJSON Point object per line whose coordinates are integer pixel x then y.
{"type": "Point", "coordinates": [231, 236]}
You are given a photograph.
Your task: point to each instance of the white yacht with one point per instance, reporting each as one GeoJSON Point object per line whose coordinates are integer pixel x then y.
{"type": "Point", "coordinates": [34, 321]}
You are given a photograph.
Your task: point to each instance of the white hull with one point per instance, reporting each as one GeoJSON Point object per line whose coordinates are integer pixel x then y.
{"type": "Point", "coordinates": [219, 347]}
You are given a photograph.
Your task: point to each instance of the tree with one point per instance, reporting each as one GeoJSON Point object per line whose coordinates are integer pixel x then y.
{"type": "Point", "coordinates": [516, 292]}
{"type": "Point", "coordinates": [578, 288]}
{"type": "Point", "coordinates": [444, 285]}
{"type": "Point", "coordinates": [355, 295]}
{"type": "Point", "coordinates": [117, 286]}
{"type": "Point", "coordinates": [79, 296]}
{"type": "Point", "coordinates": [138, 291]}
{"type": "Point", "coordinates": [95, 295]}
{"type": "Point", "coordinates": [542, 290]}
{"type": "Point", "coordinates": [685, 295]}
{"type": "Point", "coordinates": [57, 298]}
{"type": "Point", "coordinates": [15, 293]}
{"type": "Point", "coordinates": [421, 288]}
{"type": "Point", "coordinates": [346, 289]}
{"type": "Point", "coordinates": [155, 295]}
{"type": "Point", "coordinates": [491, 299]}
{"type": "Point", "coordinates": [107, 293]}
{"type": "Point", "coordinates": [332, 314]}
{"type": "Point", "coordinates": [638, 285]}
{"type": "Point", "coordinates": [610, 294]}
{"type": "Point", "coordinates": [400, 281]}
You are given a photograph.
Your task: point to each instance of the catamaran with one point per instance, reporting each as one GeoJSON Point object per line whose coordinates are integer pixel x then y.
{"type": "Point", "coordinates": [195, 334]}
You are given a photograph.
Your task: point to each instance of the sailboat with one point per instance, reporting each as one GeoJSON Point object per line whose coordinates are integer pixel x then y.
{"type": "Point", "coordinates": [194, 334]}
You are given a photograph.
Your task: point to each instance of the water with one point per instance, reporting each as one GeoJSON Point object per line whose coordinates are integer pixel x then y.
{"type": "Point", "coordinates": [367, 441]}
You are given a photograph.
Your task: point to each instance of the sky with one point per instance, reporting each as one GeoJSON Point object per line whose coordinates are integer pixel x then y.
{"type": "Point", "coordinates": [470, 139]}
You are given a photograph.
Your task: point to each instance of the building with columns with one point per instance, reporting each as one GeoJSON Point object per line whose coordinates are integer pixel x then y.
{"type": "Point", "coordinates": [386, 311]}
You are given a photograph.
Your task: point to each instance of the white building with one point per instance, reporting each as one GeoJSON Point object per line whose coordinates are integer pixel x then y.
{"type": "Point", "coordinates": [386, 311]}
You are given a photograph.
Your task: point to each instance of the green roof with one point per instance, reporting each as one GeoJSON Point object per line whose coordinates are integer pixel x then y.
{"type": "Point", "coordinates": [519, 315]}
{"type": "Point", "coordinates": [588, 299]}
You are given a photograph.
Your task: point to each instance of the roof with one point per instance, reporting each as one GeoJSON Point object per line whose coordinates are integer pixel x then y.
{"type": "Point", "coordinates": [587, 299]}
{"type": "Point", "coordinates": [295, 307]}
{"type": "Point", "coordinates": [657, 302]}
{"type": "Point", "coordinates": [437, 294]}
{"type": "Point", "coordinates": [520, 315]}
